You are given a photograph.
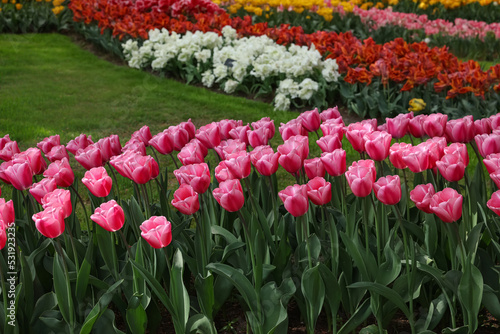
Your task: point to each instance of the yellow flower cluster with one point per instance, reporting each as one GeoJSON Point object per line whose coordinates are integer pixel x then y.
{"type": "Point", "coordinates": [451, 4]}
{"type": "Point", "coordinates": [18, 4]}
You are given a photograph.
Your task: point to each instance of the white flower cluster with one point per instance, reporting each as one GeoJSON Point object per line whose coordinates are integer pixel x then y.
{"type": "Point", "coordinates": [231, 61]}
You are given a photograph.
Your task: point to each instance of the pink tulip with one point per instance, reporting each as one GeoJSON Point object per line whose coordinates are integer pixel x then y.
{"type": "Point", "coordinates": [355, 134]}
{"type": "Point", "coordinates": [492, 162]}
{"type": "Point", "coordinates": [4, 140]}
{"type": "Point", "coordinates": [209, 135]}
{"type": "Point", "coordinates": [447, 205]}
{"type": "Point", "coordinates": [377, 145]}
{"type": "Point", "coordinates": [265, 160]}
{"type": "Point", "coordinates": [295, 199]}
{"type": "Point", "coordinates": [239, 164]}
{"type": "Point", "coordinates": [47, 143]}
{"type": "Point", "coordinates": [292, 128]}
{"type": "Point", "coordinates": [196, 175]}
{"type": "Point", "coordinates": [319, 191]}
{"type": "Point", "coordinates": [58, 198]}
{"type": "Point", "coordinates": [397, 127]}
{"type": "Point", "coordinates": [494, 202]}
{"type": "Point", "coordinates": [40, 189]}
{"type": "Point", "coordinates": [416, 158]}
{"type": "Point", "coordinates": [495, 121]}
{"type": "Point", "coordinates": [163, 142]}
{"type": "Point", "coordinates": [3, 166]}
{"type": "Point", "coordinates": [329, 143]}
{"type": "Point", "coordinates": [361, 175]}
{"type": "Point", "coordinates": [259, 136]}
{"type": "Point", "coordinates": [3, 235]}
{"type": "Point", "coordinates": [330, 114]}
{"type": "Point", "coordinates": [90, 157]}
{"type": "Point", "coordinates": [435, 124]}
{"type": "Point", "coordinates": [482, 126]}
{"type": "Point", "coordinates": [415, 126]}
{"type": "Point", "coordinates": [240, 133]}
{"type": "Point", "coordinates": [334, 162]}
{"type": "Point", "coordinates": [435, 149]}
{"type": "Point", "coordinates": [57, 153]}
{"type": "Point", "coordinates": [226, 125]}
{"type": "Point", "coordinates": [495, 176]}
{"type": "Point", "coordinates": [396, 153]}
{"type": "Point", "coordinates": [109, 216]}
{"type": "Point", "coordinates": [34, 157]}
{"type": "Point", "coordinates": [452, 167]}
{"type": "Point", "coordinates": [186, 200]}
{"type": "Point", "coordinates": [19, 175]}
{"type": "Point", "coordinates": [9, 150]}
{"type": "Point", "coordinates": [180, 136]}
{"type": "Point", "coordinates": [157, 231]}
{"type": "Point", "coordinates": [459, 149]}
{"type": "Point", "coordinates": [388, 189]}
{"type": "Point", "coordinates": [193, 152]}
{"type": "Point", "coordinates": [229, 195]}
{"type": "Point", "coordinates": [332, 127]}
{"type": "Point", "coordinates": [143, 134]}
{"type": "Point", "coordinates": [222, 173]}
{"type": "Point", "coordinates": [80, 142]}
{"type": "Point", "coordinates": [135, 145]}
{"type": "Point", "coordinates": [460, 130]}
{"type": "Point", "coordinates": [488, 144]}
{"type": "Point", "coordinates": [98, 181]}
{"type": "Point", "coordinates": [229, 146]}
{"type": "Point", "coordinates": [7, 214]}
{"type": "Point", "coordinates": [422, 195]}
{"type": "Point", "coordinates": [314, 167]}
{"type": "Point", "coordinates": [310, 120]}
{"type": "Point", "coordinates": [293, 153]}
{"type": "Point", "coordinates": [265, 122]}
{"type": "Point", "coordinates": [189, 127]}
{"type": "Point", "coordinates": [50, 222]}
{"type": "Point", "coordinates": [141, 169]}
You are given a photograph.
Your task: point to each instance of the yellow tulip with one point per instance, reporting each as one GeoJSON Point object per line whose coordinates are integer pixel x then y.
{"type": "Point", "coordinates": [416, 105]}
{"type": "Point", "coordinates": [18, 6]}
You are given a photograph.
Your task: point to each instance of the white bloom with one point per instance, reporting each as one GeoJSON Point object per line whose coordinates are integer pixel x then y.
{"type": "Point", "coordinates": [220, 71]}
{"type": "Point", "coordinates": [207, 79]}
{"type": "Point", "coordinates": [229, 33]}
{"type": "Point", "coordinates": [307, 88]}
{"type": "Point", "coordinates": [230, 86]}
{"type": "Point", "coordinates": [281, 102]}
{"type": "Point", "coordinates": [203, 56]}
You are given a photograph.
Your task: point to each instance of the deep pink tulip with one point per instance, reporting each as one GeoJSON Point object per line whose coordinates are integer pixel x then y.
{"type": "Point", "coordinates": [435, 149]}
{"type": "Point", "coordinates": [293, 153]}
{"type": "Point", "coordinates": [193, 152]}
{"type": "Point", "coordinates": [34, 157]}
{"type": "Point", "coordinates": [163, 142]}
{"type": "Point", "coordinates": [330, 113]}
{"type": "Point", "coordinates": [319, 191]}
{"type": "Point", "coordinates": [180, 136]}
{"type": "Point", "coordinates": [460, 130]}
{"type": "Point", "coordinates": [258, 136]}
{"type": "Point", "coordinates": [50, 222]}
{"type": "Point", "coordinates": [334, 162]}
{"type": "Point", "coordinates": [295, 199]}
{"type": "Point", "coordinates": [109, 216]}
{"type": "Point", "coordinates": [80, 142]}
{"type": "Point", "coordinates": [105, 147]}
{"type": "Point", "coordinates": [60, 198]}
{"type": "Point", "coordinates": [239, 164]}
{"type": "Point", "coordinates": [143, 134]}
{"type": "Point", "coordinates": [61, 171]}
{"type": "Point", "coordinates": [292, 128]}
{"type": "Point", "coordinates": [57, 153]}
{"type": "Point", "coordinates": [7, 214]}
{"type": "Point", "coordinates": [447, 205]}
{"type": "Point", "coordinates": [332, 127]}
{"type": "Point", "coordinates": [229, 146]}
{"type": "Point", "coordinates": [382, 127]}
{"type": "Point", "coordinates": [265, 160]}
{"type": "Point", "coordinates": [9, 150]}
{"type": "Point", "coordinates": [229, 195]}
{"type": "Point", "coordinates": [397, 127]}
{"type": "Point", "coordinates": [209, 135]}
{"type": "Point", "coordinates": [157, 231]}
{"type": "Point", "coordinates": [372, 123]}
{"type": "Point", "coordinates": [4, 140]}
{"type": "Point", "coordinates": [329, 143]}
{"type": "Point", "coordinates": [492, 162]}
{"type": "Point", "coordinates": [435, 124]}
{"type": "Point", "coordinates": [118, 162]}
{"type": "Point", "coordinates": [3, 235]}
{"type": "Point", "coordinates": [314, 167]}
{"type": "Point", "coordinates": [388, 189]}
{"type": "Point", "coordinates": [265, 122]}
{"type": "Point", "coordinates": [196, 175]}
{"type": "Point", "coordinates": [488, 144]}
{"type": "Point", "coordinates": [416, 158]}
{"type": "Point", "coordinates": [226, 125]}
{"type": "Point", "coordinates": [19, 175]}
{"type": "Point", "coordinates": [451, 167]}
{"type": "Point", "coordinates": [495, 176]}
{"type": "Point", "coordinates": [459, 149]}
{"type": "Point", "coordinates": [482, 126]}
{"type": "Point", "coordinates": [310, 120]}
{"type": "Point", "coordinates": [41, 188]}
{"type": "Point", "coordinates": [355, 133]}
{"type": "Point", "coordinates": [222, 173]}
{"type": "Point", "coordinates": [240, 133]}
{"type": "Point", "coordinates": [141, 169]}
{"type": "Point", "coordinates": [48, 142]}
{"type": "Point", "coordinates": [135, 145]}
{"type": "Point", "coordinates": [494, 202]}
{"type": "Point", "coordinates": [90, 157]}
{"type": "Point", "coordinates": [186, 199]}
{"type": "Point", "coordinates": [422, 195]}
{"type": "Point", "coordinates": [189, 127]}
{"type": "Point", "coordinates": [415, 126]}
{"type": "Point", "coordinates": [377, 145]}
{"type": "Point", "coordinates": [495, 121]}
{"type": "Point", "coordinates": [3, 166]}
{"type": "Point", "coordinates": [361, 175]}
{"type": "Point", "coordinates": [98, 182]}
{"type": "Point", "coordinates": [396, 153]}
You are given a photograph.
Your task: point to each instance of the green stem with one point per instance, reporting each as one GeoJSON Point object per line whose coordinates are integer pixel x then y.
{"type": "Point", "coordinates": [115, 182]}
{"type": "Point", "coordinates": [68, 285]}
{"type": "Point", "coordinates": [305, 229]}
{"type": "Point", "coordinates": [407, 195]}
{"type": "Point", "coordinates": [83, 206]}
{"type": "Point", "coordinates": [125, 243]}
{"type": "Point", "coordinates": [377, 231]}
{"type": "Point", "coordinates": [77, 264]}
{"type": "Point", "coordinates": [365, 221]}
{"type": "Point", "coordinates": [175, 162]}
{"type": "Point", "coordinates": [146, 199]}
{"type": "Point", "coordinates": [252, 253]}
{"type": "Point", "coordinates": [200, 230]}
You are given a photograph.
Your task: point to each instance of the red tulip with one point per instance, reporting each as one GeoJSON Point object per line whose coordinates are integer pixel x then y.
{"type": "Point", "coordinates": [229, 146]}
{"type": "Point", "coordinates": [259, 136]}
{"type": "Point", "coordinates": [388, 189]}
{"type": "Point", "coordinates": [80, 142]}
{"type": "Point", "coordinates": [60, 198]}
{"type": "Point", "coordinates": [334, 162]}
{"type": "Point", "coordinates": [265, 122]}
{"type": "Point", "coordinates": [459, 149]}
{"type": "Point", "coordinates": [330, 113]}
{"type": "Point", "coordinates": [314, 167]}
{"type": "Point", "coordinates": [157, 231]}
{"type": "Point", "coordinates": [47, 143]}
{"type": "Point", "coordinates": [193, 152]}
{"type": "Point", "coordinates": [240, 133]}
{"type": "Point", "coordinates": [460, 130]}
{"type": "Point", "coordinates": [265, 160]}
{"type": "Point", "coordinates": [186, 200]}
{"type": "Point", "coordinates": [98, 181]}
{"type": "Point", "coordinates": [209, 135]}
{"type": "Point", "coordinates": [293, 153]}
{"type": "Point", "coordinates": [143, 134]}
{"type": "Point", "coordinates": [226, 125]}
{"type": "Point", "coordinates": [377, 145]}
{"type": "Point", "coordinates": [488, 144]}
{"type": "Point", "coordinates": [57, 153]}
{"type": "Point", "coordinates": [415, 126]}
{"type": "Point", "coordinates": [19, 175]}
{"type": "Point", "coordinates": [397, 127]}
{"type": "Point", "coordinates": [50, 222]}
{"type": "Point", "coordinates": [329, 143]}
{"type": "Point", "coordinates": [163, 142]}
{"type": "Point", "coordinates": [447, 205]}
{"type": "Point", "coordinates": [229, 195]}
{"type": "Point", "coordinates": [109, 216]}
{"type": "Point", "coordinates": [494, 202]}
{"type": "Point", "coordinates": [34, 157]}
{"type": "Point", "coordinates": [310, 120]}
{"type": "Point", "coordinates": [319, 191]}
{"type": "Point", "coordinates": [361, 175]}
{"type": "Point", "coordinates": [40, 189]}
{"type": "Point", "coordinates": [9, 150]}
{"type": "Point", "coordinates": [396, 153]}
{"type": "Point", "coordinates": [90, 157]}
{"type": "Point", "coordinates": [292, 128]}
{"type": "Point", "coordinates": [422, 195]}
{"type": "Point", "coordinates": [196, 175]}
{"type": "Point", "coordinates": [7, 214]}
{"type": "Point", "coordinates": [295, 199]}
{"type": "Point", "coordinates": [355, 134]}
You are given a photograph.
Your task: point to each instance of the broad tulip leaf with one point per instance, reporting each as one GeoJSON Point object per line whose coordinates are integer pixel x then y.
{"type": "Point", "coordinates": [199, 324]}
{"type": "Point", "coordinates": [205, 293]}
{"type": "Point", "coordinates": [313, 290]}
{"type": "Point", "coordinates": [275, 299]}
{"type": "Point", "coordinates": [62, 289]}
{"type": "Point", "coordinates": [137, 319]}
{"type": "Point", "coordinates": [82, 279]}
{"type": "Point", "coordinates": [491, 301]}
{"type": "Point", "coordinates": [470, 292]}
{"type": "Point", "coordinates": [360, 315]}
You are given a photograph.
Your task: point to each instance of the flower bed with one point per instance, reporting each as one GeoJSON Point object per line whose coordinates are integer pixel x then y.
{"type": "Point", "coordinates": [411, 217]}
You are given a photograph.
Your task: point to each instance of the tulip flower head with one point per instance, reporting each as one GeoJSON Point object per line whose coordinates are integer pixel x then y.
{"type": "Point", "coordinates": [319, 191]}
{"type": "Point", "coordinates": [109, 216]}
{"type": "Point", "coordinates": [98, 182]}
{"type": "Point", "coordinates": [229, 195]}
{"type": "Point", "coordinates": [186, 199]}
{"type": "Point", "coordinates": [388, 189]}
{"type": "Point", "coordinates": [447, 205]}
{"type": "Point", "coordinates": [157, 231]}
{"type": "Point", "coordinates": [50, 222]}
{"type": "Point", "coordinates": [295, 199]}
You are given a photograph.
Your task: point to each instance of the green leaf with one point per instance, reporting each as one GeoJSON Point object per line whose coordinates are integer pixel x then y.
{"type": "Point", "coordinates": [46, 302]}
{"type": "Point", "coordinates": [199, 323]}
{"type": "Point", "coordinates": [313, 290]}
{"type": "Point", "coordinates": [205, 294]}
{"type": "Point", "coordinates": [470, 292]}
{"type": "Point", "coordinates": [82, 279]}
{"type": "Point", "coordinates": [390, 269]}
{"type": "Point", "coordinates": [360, 315]}
{"type": "Point", "coordinates": [276, 299]}
{"type": "Point", "coordinates": [62, 290]}
{"type": "Point", "coordinates": [137, 319]}
{"type": "Point", "coordinates": [178, 292]}
{"type": "Point", "coordinates": [491, 301]}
